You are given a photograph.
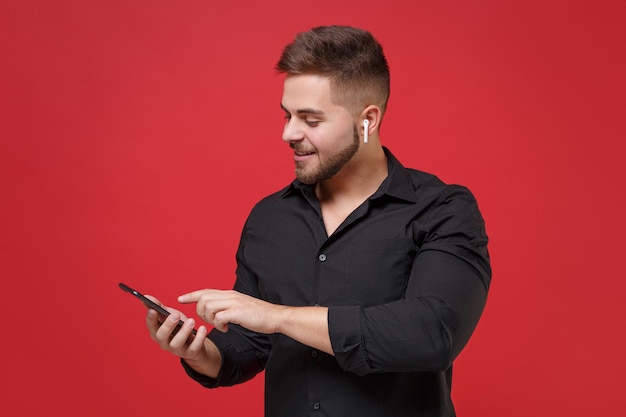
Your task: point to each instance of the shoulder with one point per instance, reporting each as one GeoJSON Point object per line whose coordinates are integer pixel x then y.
{"type": "Point", "coordinates": [273, 206]}
{"type": "Point", "coordinates": [429, 187]}
{"type": "Point", "coordinates": [275, 199]}
{"type": "Point", "coordinates": [443, 205]}
{"type": "Point", "coordinates": [420, 186]}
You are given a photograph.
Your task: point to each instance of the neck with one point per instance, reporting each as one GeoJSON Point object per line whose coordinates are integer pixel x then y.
{"type": "Point", "coordinates": [358, 179]}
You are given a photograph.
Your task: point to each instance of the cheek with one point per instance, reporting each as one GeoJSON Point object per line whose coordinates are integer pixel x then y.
{"type": "Point", "coordinates": [331, 138]}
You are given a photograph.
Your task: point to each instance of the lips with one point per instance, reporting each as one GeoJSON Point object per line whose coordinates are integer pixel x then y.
{"type": "Point", "coordinates": [302, 155]}
{"type": "Point", "coordinates": [299, 151]}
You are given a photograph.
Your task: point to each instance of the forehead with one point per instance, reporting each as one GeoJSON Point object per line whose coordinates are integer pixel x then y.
{"type": "Point", "coordinates": [307, 91]}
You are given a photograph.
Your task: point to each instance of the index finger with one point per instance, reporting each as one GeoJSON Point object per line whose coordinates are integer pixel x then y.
{"type": "Point", "coordinates": [194, 296]}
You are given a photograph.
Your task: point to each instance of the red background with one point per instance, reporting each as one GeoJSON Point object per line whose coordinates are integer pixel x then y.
{"type": "Point", "coordinates": [137, 135]}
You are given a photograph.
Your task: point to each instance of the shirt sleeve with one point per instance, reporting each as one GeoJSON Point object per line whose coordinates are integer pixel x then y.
{"type": "Point", "coordinates": [444, 299]}
{"type": "Point", "coordinates": [243, 356]}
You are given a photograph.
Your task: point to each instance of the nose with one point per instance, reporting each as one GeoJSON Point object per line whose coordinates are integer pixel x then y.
{"type": "Point", "coordinates": [292, 132]}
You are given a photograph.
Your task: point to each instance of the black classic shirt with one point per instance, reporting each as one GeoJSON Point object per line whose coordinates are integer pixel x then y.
{"type": "Point", "coordinates": [405, 278]}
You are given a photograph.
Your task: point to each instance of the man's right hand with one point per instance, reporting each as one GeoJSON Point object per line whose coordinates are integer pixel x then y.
{"type": "Point", "coordinates": [196, 350]}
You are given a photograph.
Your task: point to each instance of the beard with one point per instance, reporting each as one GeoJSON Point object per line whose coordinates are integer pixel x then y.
{"type": "Point", "coordinates": [330, 166]}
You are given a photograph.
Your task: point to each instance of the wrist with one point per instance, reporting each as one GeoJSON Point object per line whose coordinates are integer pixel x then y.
{"type": "Point", "coordinates": [283, 315]}
{"type": "Point", "coordinates": [208, 363]}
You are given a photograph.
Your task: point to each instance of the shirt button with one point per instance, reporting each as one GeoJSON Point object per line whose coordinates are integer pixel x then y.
{"type": "Point", "coordinates": [316, 406]}
{"type": "Point", "coordinates": [322, 257]}
{"type": "Point", "coordinates": [314, 354]}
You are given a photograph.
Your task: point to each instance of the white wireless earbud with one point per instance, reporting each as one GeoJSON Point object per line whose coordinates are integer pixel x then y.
{"type": "Point", "coordinates": [366, 130]}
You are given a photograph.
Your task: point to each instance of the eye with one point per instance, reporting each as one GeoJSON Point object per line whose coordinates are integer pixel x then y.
{"type": "Point", "coordinates": [312, 123]}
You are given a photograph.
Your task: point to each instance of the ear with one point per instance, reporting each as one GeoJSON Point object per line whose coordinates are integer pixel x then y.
{"type": "Point", "coordinates": [373, 114]}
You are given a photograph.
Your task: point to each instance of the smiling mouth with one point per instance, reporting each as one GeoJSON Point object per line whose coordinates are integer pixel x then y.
{"type": "Point", "coordinates": [302, 152]}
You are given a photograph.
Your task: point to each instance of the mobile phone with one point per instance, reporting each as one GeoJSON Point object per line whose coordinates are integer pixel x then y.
{"type": "Point", "coordinates": [149, 303]}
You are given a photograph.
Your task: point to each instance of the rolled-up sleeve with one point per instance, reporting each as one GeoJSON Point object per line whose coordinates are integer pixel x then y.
{"type": "Point", "coordinates": [443, 301]}
{"type": "Point", "coordinates": [244, 355]}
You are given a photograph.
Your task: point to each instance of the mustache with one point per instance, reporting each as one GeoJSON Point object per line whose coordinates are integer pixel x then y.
{"type": "Point", "coordinates": [298, 147]}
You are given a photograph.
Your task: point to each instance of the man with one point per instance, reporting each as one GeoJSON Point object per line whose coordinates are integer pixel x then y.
{"type": "Point", "coordinates": [359, 283]}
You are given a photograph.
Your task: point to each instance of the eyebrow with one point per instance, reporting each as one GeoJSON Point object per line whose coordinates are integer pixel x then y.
{"type": "Point", "coordinates": [304, 111]}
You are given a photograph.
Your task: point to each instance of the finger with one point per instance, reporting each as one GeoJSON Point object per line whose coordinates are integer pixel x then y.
{"type": "Point", "coordinates": [182, 337]}
{"type": "Point", "coordinates": [194, 296]}
{"type": "Point", "coordinates": [197, 343]}
{"type": "Point", "coordinates": [207, 309]}
{"type": "Point", "coordinates": [206, 316]}
{"type": "Point", "coordinates": [221, 320]}
{"type": "Point", "coordinates": [152, 321]}
{"type": "Point", "coordinates": [161, 316]}
{"type": "Point", "coordinates": [167, 329]}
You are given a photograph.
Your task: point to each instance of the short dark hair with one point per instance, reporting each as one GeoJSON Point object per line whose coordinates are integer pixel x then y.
{"type": "Point", "coordinates": [351, 58]}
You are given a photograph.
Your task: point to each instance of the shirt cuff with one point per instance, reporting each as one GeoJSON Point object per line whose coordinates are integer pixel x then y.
{"type": "Point", "coordinates": [346, 338]}
{"type": "Point", "coordinates": [223, 345]}
{"type": "Point", "coordinates": [202, 379]}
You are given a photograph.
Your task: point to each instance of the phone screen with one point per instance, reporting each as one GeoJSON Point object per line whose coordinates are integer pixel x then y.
{"type": "Point", "coordinates": [149, 303]}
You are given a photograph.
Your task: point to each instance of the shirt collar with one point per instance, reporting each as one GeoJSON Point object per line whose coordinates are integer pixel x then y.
{"type": "Point", "coordinates": [398, 183]}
